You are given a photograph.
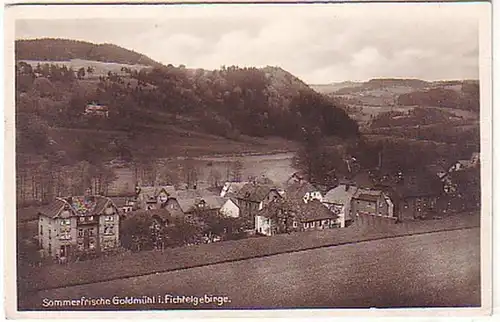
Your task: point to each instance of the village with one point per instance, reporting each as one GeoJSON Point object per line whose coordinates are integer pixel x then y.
{"type": "Point", "coordinates": [162, 216]}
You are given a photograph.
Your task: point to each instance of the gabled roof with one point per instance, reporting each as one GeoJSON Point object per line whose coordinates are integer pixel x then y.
{"type": "Point", "coordinates": [297, 190]}
{"type": "Point", "coordinates": [304, 212]}
{"type": "Point", "coordinates": [419, 185]}
{"type": "Point", "coordinates": [232, 188]}
{"type": "Point", "coordinates": [367, 194]}
{"type": "Point", "coordinates": [120, 201]}
{"type": "Point", "coordinates": [340, 195]}
{"type": "Point", "coordinates": [254, 192]}
{"type": "Point", "coordinates": [78, 205]}
{"type": "Point", "coordinates": [315, 210]}
{"type": "Point", "coordinates": [211, 203]}
{"type": "Point", "coordinates": [154, 191]}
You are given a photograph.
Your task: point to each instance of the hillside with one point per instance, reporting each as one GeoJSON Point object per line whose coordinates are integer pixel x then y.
{"type": "Point", "coordinates": [152, 112]}
{"type": "Point", "coordinates": [48, 49]}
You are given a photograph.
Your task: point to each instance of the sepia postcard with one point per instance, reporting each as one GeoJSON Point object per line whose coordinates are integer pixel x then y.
{"type": "Point", "coordinates": [248, 159]}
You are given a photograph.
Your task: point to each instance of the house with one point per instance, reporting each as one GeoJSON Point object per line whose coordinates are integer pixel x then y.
{"type": "Point", "coordinates": [417, 196]}
{"type": "Point", "coordinates": [254, 197]}
{"type": "Point", "coordinates": [230, 208]}
{"type": "Point", "coordinates": [124, 204]}
{"type": "Point", "coordinates": [152, 197]}
{"type": "Point", "coordinates": [192, 206]}
{"type": "Point", "coordinates": [338, 200]}
{"type": "Point", "coordinates": [296, 177]}
{"type": "Point", "coordinates": [231, 188]}
{"type": "Point", "coordinates": [372, 202]}
{"type": "Point", "coordinates": [96, 110]}
{"type": "Point", "coordinates": [303, 191]}
{"type": "Point", "coordinates": [316, 216]}
{"type": "Point", "coordinates": [78, 225]}
{"type": "Point", "coordinates": [284, 216]}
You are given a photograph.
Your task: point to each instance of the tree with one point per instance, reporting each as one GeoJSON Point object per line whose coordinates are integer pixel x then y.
{"type": "Point", "coordinates": [236, 170]}
{"type": "Point", "coordinates": [214, 178]}
{"type": "Point", "coordinates": [190, 172]}
{"type": "Point", "coordinates": [81, 73]}
{"type": "Point", "coordinates": [135, 232]}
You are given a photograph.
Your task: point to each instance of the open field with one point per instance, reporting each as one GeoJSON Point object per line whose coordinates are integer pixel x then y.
{"type": "Point", "coordinates": [128, 265]}
{"type": "Point", "coordinates": [429, 270]}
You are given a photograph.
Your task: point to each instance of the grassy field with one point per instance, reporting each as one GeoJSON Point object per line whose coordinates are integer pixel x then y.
{"type": "Point", "coordinates": [430, 270]}
{"type": "Point", "coordinates": [143, 263]}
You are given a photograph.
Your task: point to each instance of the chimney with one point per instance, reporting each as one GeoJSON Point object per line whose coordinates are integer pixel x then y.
{"type": "Point", "coordinates": [347, 187]}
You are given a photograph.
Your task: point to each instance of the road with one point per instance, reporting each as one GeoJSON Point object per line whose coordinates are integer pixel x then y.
{"type": "Point", "coordinates": [435, 269]}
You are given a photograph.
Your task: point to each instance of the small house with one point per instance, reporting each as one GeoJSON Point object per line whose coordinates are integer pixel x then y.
{"type": "Point", "coordinates": [338, 200]}
{"type": "Point", "coordinates": [372, 202]}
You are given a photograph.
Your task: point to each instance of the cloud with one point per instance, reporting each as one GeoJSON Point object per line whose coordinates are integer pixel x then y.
{"type": "Point", "coordinates": [320, 44]}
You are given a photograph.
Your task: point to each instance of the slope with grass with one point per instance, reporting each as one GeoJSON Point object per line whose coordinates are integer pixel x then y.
{"type": "Point", "coordinates": [428, 270]}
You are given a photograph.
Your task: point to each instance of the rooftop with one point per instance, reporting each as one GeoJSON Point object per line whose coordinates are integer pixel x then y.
{"type": "Point", "coordinates": [78, 206]}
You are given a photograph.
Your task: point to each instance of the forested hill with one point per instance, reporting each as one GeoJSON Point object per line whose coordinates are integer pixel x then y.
{"type": "Point", "coordinates": [231, 103]}
{"type": "Point", "coordinates": [49, 49]}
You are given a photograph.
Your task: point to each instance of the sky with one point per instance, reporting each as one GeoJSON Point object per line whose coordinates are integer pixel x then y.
{"type": "Point", "coordinates": [318, 43]}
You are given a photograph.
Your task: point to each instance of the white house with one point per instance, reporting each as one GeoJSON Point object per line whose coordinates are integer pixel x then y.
{"type": "Point", "coordinates": [338, 200]}
{"type": "Point", "coordinates": [230, 209]}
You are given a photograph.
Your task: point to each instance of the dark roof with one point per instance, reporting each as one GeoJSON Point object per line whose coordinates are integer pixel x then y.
{"type": "Point", "coordinates": [305, 212]}
{"type": "Point", "coordinates": [120, 201]}
{"type": "Point", "coordinates": [419, 185]}
{"type": "Point", "coordinates": [52, 209]}
{"type": "Point", "coordinates": [367, 197]}
{"type": "Point", "coordinates": [315, 210]}
{"type": "Point", "coordinates": [79, 206]}
{"type": "Point", "coordinates": [254, 192]}
{"type": "Point", "coordinates": [297, 190]}
{"type": "Point", "coordinates": [363, 180]}
{"type": "Point", "coordinates": [211, 203]}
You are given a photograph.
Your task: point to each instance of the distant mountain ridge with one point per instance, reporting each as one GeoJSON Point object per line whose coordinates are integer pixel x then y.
{"type": "Point", "coordinates": [52, 49]}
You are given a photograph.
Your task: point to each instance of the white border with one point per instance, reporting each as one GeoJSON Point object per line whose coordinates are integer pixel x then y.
{"type": "Point", "coordinates": [123, 12]}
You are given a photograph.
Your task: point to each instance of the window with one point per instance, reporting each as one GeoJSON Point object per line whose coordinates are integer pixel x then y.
{"type": "Point", "coordinates": [80, 245]}
{"type": "Point", "coordinates": [109, 218]}
{"type": "Point", "coordinates": [82, 219]}
{"type": "Point", "coordinates": [109, 230]}
{"type": "Point", "coordinates": [50, 249]}
{"type": "Point", "coordinates": [65, 222]}
{"type": "Point", "coordinates": [80, 232]}
{"type": "Point", "coordinates": [306, 225]}
{"type": "Point", "coordinates": [311, 224]}
{"type": "Point", "coordinates": [91, 218]}
{"type": "Point", "coordinates": [41, 230]}
{"type": "Point", "coordinates": [91, 232]}
{"type": "Point", "coordinates": [294, 224]}
{"type": "Point", "coordinates": [50, 234]}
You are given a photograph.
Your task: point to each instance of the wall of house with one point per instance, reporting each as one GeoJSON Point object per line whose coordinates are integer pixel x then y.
{"type": "Point", "coordinates": [319, 224]}
{"type": "Point", "coordinates": [229, 209]}
{"type": "Point", "coordinates": [415, 207]}
{"type": "Point", "coordinates": [46, 235]}
{"type": "Point", "coordinates": [272, 195]}
{"type": "Point", "coordinates": [172, 205]}
{"type": "Point", "coordinates": [109, 229]}
{"type": "Point", "coordinates": [263, 225]}
{"type": "Point", "coordinates": [378, 208]}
